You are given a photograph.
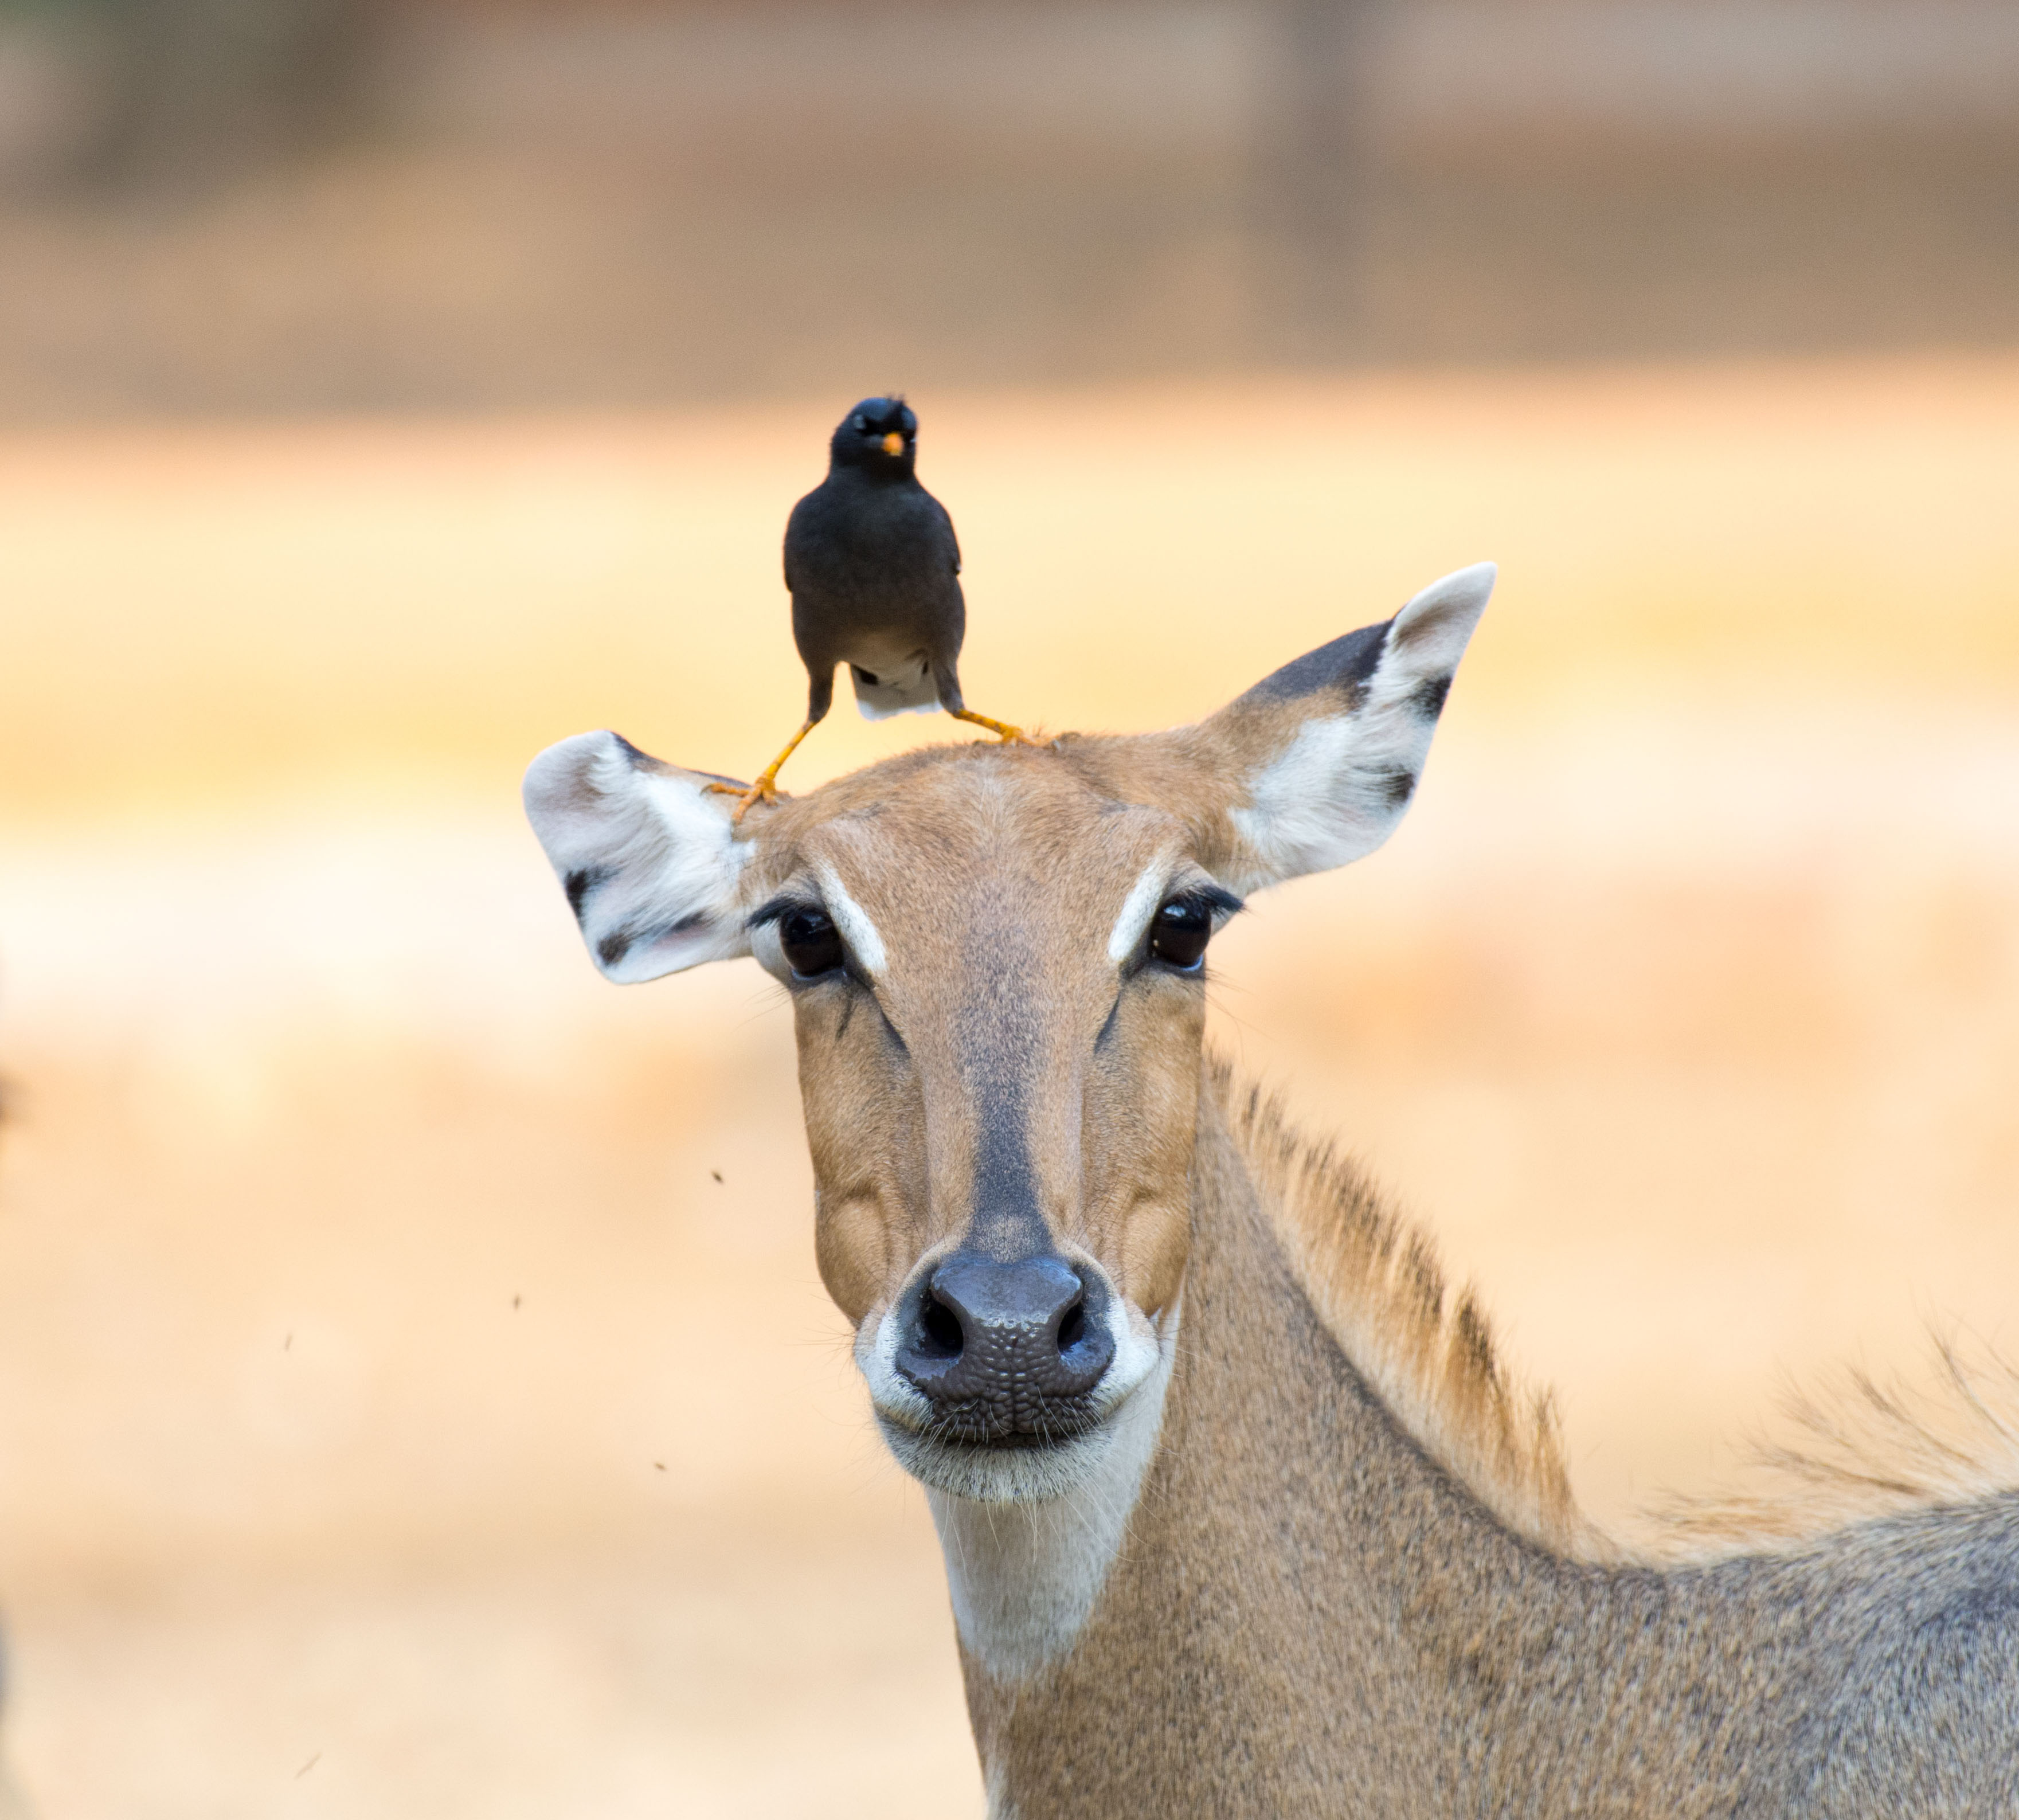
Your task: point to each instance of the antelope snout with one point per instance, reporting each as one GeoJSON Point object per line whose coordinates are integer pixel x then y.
{"type": "Point", "coordinates": [1006, 1351]}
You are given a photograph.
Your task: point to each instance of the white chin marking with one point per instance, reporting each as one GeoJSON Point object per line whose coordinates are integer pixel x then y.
{"type": "Point", "coordinates": [992, 1475]}
{"type": "Point", "coordinates": [1029, 1534]}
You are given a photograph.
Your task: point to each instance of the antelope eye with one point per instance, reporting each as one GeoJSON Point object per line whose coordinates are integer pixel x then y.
{"type": "Point", "coordinates": [811, 943]}
{"type": "Point", "coordinates": [1179, 934]}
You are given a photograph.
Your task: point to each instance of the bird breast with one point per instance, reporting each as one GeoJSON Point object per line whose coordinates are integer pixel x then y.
{"type": "Point", "coordinates": [860, 538]}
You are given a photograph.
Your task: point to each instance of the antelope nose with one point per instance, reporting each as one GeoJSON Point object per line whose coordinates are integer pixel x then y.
{"type": "Point", "coordinates": [1008, 1349]}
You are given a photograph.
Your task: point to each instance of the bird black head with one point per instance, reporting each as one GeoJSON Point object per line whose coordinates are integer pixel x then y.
{"type": "Point", "coordinates": [880, 434]}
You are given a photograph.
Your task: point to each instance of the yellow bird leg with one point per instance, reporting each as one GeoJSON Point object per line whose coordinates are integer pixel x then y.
{"type": "Point", "coordinates": [765, 789]}
{"type": "Point", "coordinates": [1001, 729]}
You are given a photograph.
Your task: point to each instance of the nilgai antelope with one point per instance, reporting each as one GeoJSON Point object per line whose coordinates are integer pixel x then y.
{"type": "Point", "coordinates": [1241, 1514]}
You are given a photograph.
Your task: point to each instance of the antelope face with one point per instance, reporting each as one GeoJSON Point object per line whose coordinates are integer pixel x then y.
{"type": "Point", "coordinates": [996, 962]}
{"type": "Point", "coordinates": [997, 972]}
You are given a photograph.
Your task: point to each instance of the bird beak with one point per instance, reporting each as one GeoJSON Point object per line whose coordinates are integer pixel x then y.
{"type": "Point", "coordinates": [894, 443]}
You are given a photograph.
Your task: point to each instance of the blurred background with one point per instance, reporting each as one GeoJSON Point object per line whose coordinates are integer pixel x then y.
{"type": "Point", "coordinates": [416, 1396]}
{"type": "Point", "coordinates": [280, 205]}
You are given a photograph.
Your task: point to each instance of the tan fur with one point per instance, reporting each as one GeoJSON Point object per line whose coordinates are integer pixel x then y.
{"type": "Point", "coordinates": [1323, 1557]}
{"type": "Point", "coordinates": [1376, 1284]}
{"type": "Point", "coordinates": [1315, 1613]}
{"type": "Point", "coordinates": [1856, 1448]}
{"type": "Point", "coordinates": [985, 835]}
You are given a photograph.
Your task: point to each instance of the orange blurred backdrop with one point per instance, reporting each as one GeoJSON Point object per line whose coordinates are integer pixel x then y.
{"type": "Point", "coordinates": [368, 1268]}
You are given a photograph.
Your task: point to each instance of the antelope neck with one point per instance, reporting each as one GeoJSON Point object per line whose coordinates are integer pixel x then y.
{"type": "Point", "coordinates": [1024, 1578]}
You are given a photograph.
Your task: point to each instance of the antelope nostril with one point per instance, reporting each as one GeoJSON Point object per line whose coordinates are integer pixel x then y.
{"type": "Point", "coordinates": [942, 1329]}
{"type": "Point", "coordinates": [1006, 1349]}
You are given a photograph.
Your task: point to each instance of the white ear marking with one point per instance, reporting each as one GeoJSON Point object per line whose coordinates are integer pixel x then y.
{"type": "Point", "coordinates": [1434, 628]}
{"type": "Point", "coordinates": [646, 853]}
{"type": "Point", "coordinates": [1137, 908]}
{"type": "Point", "coordinates": [860, 934]}
{"type": "Point", "coordinates": [1336, 790]}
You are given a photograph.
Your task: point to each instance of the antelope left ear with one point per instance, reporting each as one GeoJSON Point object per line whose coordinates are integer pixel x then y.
{"type": "Point", "coordinates": [1332, 745]}
{"type": "Point", "coordinates": [646, 853]}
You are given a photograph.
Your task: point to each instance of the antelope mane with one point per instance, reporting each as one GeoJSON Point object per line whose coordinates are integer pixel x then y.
{"type": "Point", "coordinates": [1858, 1450]}
{"type": "Point", "coordinates": [1375, 1282]}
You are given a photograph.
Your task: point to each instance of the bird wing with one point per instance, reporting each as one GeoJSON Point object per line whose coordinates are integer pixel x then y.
{"type": "Point", "coordinates": [792, 586]}
{"type": "Point", "coordinates": [953, 541]}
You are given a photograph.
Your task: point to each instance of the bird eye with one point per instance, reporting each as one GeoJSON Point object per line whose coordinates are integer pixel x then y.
{"type": "Point", "coordinates": [811, 943]}
{"type": "Point", "coordinates": [1179, 934]}
{"type": "Point", "coordinates": [858, 421]}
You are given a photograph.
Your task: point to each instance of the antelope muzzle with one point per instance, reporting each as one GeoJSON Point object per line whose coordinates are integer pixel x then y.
{"type": "Point", "coordinates": [1006, 1353]}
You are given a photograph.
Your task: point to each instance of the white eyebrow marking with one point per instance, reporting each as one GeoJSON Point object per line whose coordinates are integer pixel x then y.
{"type": "Point", "coordinates": [1141, 905]}
{"type": "Point", "coordinates": [853, 923]}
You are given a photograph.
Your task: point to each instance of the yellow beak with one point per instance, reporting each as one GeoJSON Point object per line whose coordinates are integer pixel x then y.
{"type": "Point", "coordinates": [894, 443]}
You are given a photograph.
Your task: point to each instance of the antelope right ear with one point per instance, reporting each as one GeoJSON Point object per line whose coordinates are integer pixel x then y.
{"type": "Point", "coordinates": [645, 852]}
{"type": "Point", "coordinates": [1330, 746]}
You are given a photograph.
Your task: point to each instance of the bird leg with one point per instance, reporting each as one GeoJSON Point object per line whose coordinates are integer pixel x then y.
{"type": "Point", "coordinates": [1001, 729]}
{"type": "Point", "coordinates": [765, 789]}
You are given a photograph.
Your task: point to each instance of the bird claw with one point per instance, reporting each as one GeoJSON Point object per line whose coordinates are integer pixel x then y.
{"type": "Point", "coordinates": [1004, 734]}
{"type": "Point", "coordinates": [760, 792]}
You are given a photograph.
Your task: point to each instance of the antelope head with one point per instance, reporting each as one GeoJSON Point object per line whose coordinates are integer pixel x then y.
{"type": "Point", "coordinates": [996, 960]}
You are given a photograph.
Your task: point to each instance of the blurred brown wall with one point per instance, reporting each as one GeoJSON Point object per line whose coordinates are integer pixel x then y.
{"type": "Point", "coordinates": [361, 205]}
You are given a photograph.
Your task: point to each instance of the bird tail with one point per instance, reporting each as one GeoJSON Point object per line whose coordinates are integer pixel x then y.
{"type": "Point", "coordinates": [909, 691]}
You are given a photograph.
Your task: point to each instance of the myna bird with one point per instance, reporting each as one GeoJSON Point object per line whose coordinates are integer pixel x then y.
{"type": "Point", "coordinates": [874, 570]}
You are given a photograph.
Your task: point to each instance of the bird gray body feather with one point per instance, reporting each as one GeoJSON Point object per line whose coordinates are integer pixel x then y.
{"type": "Point", "coordinates": [874, 570]}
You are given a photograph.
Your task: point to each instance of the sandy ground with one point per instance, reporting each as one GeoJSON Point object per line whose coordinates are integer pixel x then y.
{"type": "Point", "coordinates": [397, 1414]}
